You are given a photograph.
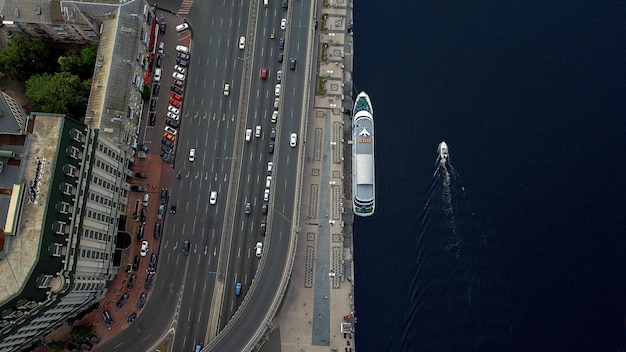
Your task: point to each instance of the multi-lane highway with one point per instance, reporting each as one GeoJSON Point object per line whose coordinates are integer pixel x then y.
{"type": "Point", "coordinates": [194, 296]}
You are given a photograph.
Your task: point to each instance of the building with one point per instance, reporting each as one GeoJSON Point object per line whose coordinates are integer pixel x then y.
{"type": "Point", "coordinates": [64, 184]}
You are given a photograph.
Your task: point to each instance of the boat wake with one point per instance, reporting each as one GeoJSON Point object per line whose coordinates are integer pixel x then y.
{"type": "Point", "coordinates": [459, 299]}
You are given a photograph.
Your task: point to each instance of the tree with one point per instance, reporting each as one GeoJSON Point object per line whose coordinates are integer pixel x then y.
{"type": "Point", "coordinates": [41, 57]}
{"type": "Point", "coordinates": [81, 333]}
{"type": "Point", "coordinates": [88, 55]}
{"type": "Point", "coordinates": [14, 59]}
{"type": "Point", "coordinates": [71, 63]}
{"type": "Point", "coordinates": [56, 346]}
{"type": "Point", "coordinates": [145, 93]}
{"type": "Point", "coordinates": [61, 93]}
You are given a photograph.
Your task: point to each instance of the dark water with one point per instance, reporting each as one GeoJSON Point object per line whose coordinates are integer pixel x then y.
{"type": "Point", "coordinates": [531, 99]}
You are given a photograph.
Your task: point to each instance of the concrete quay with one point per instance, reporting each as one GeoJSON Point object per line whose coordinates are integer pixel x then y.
{"type": "Point", "coordinates": [320, 297]}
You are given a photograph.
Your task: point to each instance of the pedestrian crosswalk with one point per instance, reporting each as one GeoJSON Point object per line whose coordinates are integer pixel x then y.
{"type": "Point", "coordinates": [185, 7]}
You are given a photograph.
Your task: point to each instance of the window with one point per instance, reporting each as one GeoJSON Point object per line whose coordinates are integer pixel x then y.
{"type": "Point", "coordinates": [57, 249]}
{"type": "Point", "coordinates": [70, 170]}
{"type": "Point", "coordinates": [67, 189]}
{"type": "Point", "coordinates": [77, 135]}
{"type": "Point", "coordinates": [61, 228]}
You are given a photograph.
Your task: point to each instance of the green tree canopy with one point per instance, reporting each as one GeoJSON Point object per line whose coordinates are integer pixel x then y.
{"type": "Point", "coordinates": [71, 63]}
{"type": "Point", "coordinates": [21, 59]}
{"type": "Point", "coordinates": [56, 346]}
{"type": "Point", "coordinates": [88, 55]}
{"type": "Point", "coordinates": [81, 333]}
{"type": "Point", "coordinates": [61, 93]}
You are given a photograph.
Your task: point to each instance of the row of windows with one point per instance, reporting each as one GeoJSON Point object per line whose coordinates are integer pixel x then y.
{"type": "Point", "coordinates": [113, 155]}
{"type": "Point", "coordinates": [102, 200]}
{"type": "Point", "coordinates": [99, 216]}
{"type": "Point", "coordinates": [110, 169]}
{"type": "Point", "coordinates": [97, 235]}
{"type": "Point", "coordinates": [89, 286]}
{"type": "Point", "coordinates": [104, 183]}
{"type": "Point", "coordinates": [87, 253]}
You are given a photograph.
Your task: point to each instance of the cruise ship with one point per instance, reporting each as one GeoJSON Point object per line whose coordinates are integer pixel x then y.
{"type": "Point", "coordinates": [363, 181]}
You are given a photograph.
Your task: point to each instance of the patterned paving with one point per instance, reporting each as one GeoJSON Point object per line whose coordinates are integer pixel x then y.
{"type": "Point", "coordinates": [310, 236]}
{"type": "Point", "coordinates": [335, 204]}
{"type": "Point", "coordinates": [185, 7]}
{"type": "Point", "coordinates": [310, 260]}
{"type": "Point", "coordinates": [337, 149]}
{"type": "Point", "coordinates": [315, 189]}
{"type": "Point", "coordinates": [336, 266]}
{"type": "Point", "coordinates": [317, 146]}
{"type": "Point", "coordinates": [336, 237]}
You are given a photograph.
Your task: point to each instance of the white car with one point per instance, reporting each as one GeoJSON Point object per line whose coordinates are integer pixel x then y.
{"type": "Point", "coordinates": [157, 75]}
{"type": "Point", "coordinates": [258, 249]}
{"type": "Point", "coordinates": [266, 195]}
{"type": "Point", "coordinates": [248, 134]}
{"type": "Point", "coordinates": [213, 198]}
{"type": "Point", "coordinates": [179, 68]}
{"type": "Point", "coordinates": [192, 154]}
{"type": "Point", "coordinates": [268, 181]}
{"type": "Point", "coordinates": [144, 248]}
{"type": "Point", "coordinates": [293, 139]}
{"type": "Point", "coordinates": [274, 116]}
{"type": "Point", "coordinates": [257, 132]}
{"type": "Point", "coordinates": [283, 24]}
{"type": "Point", "coordinates": [181, 27]}
{"type": "Point", "coordinates": [170, 130]}
{"type": "Point", "coordinates": [173, 116]}
{"type": "Point", "coordinates": [277, 90]}
{"type": "Point", "coordinates": [182, 49]}
{"type": "Point", "coordinates": [242, 43]}
{"type": "Point", "coordinates": [276, 103]}
{"type": "Point", "coordinates": [270, 167]}
{"type": "Point", "coordinates": [161, 47]}
{"type": "Point", "coordinates": [177, 75]}
{"type": "Point", "coordinates": [173, 109]}
{"type": "Point", "coordinates": [226, 89]}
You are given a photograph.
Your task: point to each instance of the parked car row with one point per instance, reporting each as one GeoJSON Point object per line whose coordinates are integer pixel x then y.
{"type": "Point", "coordinates": [172, 121]}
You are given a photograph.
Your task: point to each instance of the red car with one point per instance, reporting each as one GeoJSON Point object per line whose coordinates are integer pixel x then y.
{"type": "Point", "coordinates": [177, 96]}
{"type": "Point", "coordinates": [175, 103]}
{"type": "Point", "coordinates": [263, 73]}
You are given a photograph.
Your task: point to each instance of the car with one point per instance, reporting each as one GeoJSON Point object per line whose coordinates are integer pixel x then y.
{"type": "Point", "coordinates": [258, 249]}
{"type": "Point", "coordinates": [213, 198]}
{"type": "Point", "coordinates": [293, 139]}
{"type": "Point", "coordinates": [177, 75]}
{"type": "Point", "coordinates": [248, 134]}
{"type": "Point", "coordinates": [172, 123]}
{"type": "Point", "coordinates": [138, 188]}
{"type": "Point", "coordinates": [226, 89]}
{"type": "Point", "coordinates": [283, 24]}
{"type": "Point", "coordinates": [86, 346]}
{"type": "Point", "coordinates": [162, 27]}
{"type": "Point", "coordinates": [140, 233]}
{"type": "Point", "coordinates": [160, 212]}
{"type": "Point", "coordinates": [248, 208]}
{"type": "Point", "coordinates": [152, 118]}
{"type": "Point", "coordinates": [279, 76]}
{"type": "Point", "coordinates": [182, 49]}
{"type": "Point", "coordinates": [159, 61]}
{"type": "Point", "coordinates": [144, 248]}
{"type": "Point", "coordinates": [148, 281]}
{"type": "Point", "coordinates": [161, 48]}
{"type": "Point", "coordinates": [266, 195]}
{"type": "Point", "coordinates": [170, 130]}
{"type": "Point", "coordinates": [157, 228]}
{"type": "Point", "coordinates": [136, 263]}
{"type": "Point", "coordinates": [155, 89]}
{"type": "Point", "coordinates": [143, 147]}
{"type": "Point", "coordinates": [132, 317]}
{"type": "Point", "coordinates": [186, 246]}
{"type": "Point", "coordinates": [285, 4]}
{"type": "Point", "coordinates": [277, 90]}
{"type": "Point", "coordinates": [270, 167]}
{"type": "Point", "coordinates": [175, 103]}
{"type": "Point", "coordinates": [141, 154]}
{"type": "Point", "coordinates": [107, 318]}
{"type": "Point", "coordinates": [173, 116]}
{"type": "Point", "coordinates": [281, 44]}
{"type": "Point", "coordinates": [163, 194]}
{"type": "Point", "coordinates": [292, 63]}
{"type": "Point", "coordinates": [177, 96]}
{"type": "Point", "coordinates": [179, 68]}
{"type": "Point", "coordinates": [274, 116]}
{"type": "Point", "coordinates": [173, 109]}
{"type": "Point", "coordinates": [263, 227]}
{"type": "Point", "coordinates": [198, 348]}
{"type": "Point", "coordinates": [270, 148]}
{"type": "Point", "coordinates": [242, 42]}
{"type": "Point", "coordinates": [183, 56]}
{"type": "Point", "coordinates": [268, 181]}
{"type": "Point", "coordinates": [280, 57]}
{"type": "Point", "coordinates": [141, 174]}
{"type": "Point", "coordinates": [122, 300]}
{"type": "Point", "coordinates": [273, 133]}
{"type": "Point", "coordinates": [144, 214]}
{"type": "Point", "coordinates": [177, 90]}
{"type": "Point", "coordinates": [153, 261]}
{"type": "Point", "coordinates": [276, 103]}
{"type": "Point", "coordinates": [157, 74]}
{"type": "Point", "coordinates": [94, 338]}
{"type": "Point", "coordinates": [257, 131]}
{"type": "Point", "coordinates": [264, 73]}
{"type": "Point", "coordinates": [131, 281]}
{"type": "Point", "coordinates": [72, 348]}
{"type": "Point", "coordinates": [169, 136]}
{"type": "Point", "coordinates": [238, 289]}
{"type": "Point", "coordinates": [166, 149]}
{"type": "Point", "coordinates": [181, 27]}
{"type": "Point", "coordinates": [264, 208]}
{"type": "Point", "coordinates": [179, 83]}
{"type": "Point", "coordinates": [142, 300]}
{"type": "Point", "coordinates": [173, 209]}
{"type": "Point", "coordinates": [153, 105]}
{"type": "Point", "coordinates": [182, 63]}
{"type": "Point", "coordinates": [192, 154]}
{"type": "Point", "coordinates": [167, 142]}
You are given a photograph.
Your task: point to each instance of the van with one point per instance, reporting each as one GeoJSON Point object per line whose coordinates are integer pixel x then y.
{"type": "Point", "coordinates": [182, 49]}
{"type": "Point", "coordinates": [146, 199]}
{"type": "Point", "coordinates": [266, 3]}
{"type": "Point", "coordinates": [157, 74]}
